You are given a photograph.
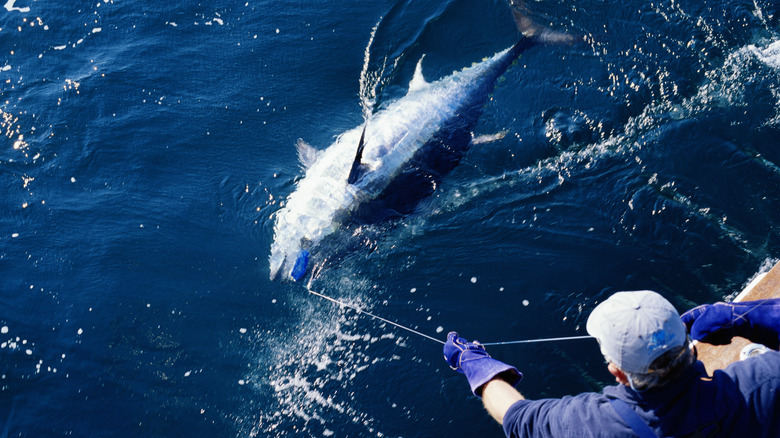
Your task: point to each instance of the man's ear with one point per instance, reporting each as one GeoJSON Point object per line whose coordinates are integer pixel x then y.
{"type": "Point", "coordinates": [620, 376]}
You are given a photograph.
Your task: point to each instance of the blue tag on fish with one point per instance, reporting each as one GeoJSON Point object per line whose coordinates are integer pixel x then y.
{"type": "Point", "coordinates": [299, 269]}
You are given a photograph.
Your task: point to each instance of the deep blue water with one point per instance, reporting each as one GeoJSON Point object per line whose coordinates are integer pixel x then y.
{"type": "Point", "coordinates": [145, 147]}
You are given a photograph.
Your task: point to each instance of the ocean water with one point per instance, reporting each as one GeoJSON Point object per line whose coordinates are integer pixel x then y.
{"type": "Point", "coordinates": [147, 145]}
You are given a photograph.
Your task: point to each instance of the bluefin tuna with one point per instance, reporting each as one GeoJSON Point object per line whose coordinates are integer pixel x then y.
{"type": "Point", "coordinates": [393, 160]}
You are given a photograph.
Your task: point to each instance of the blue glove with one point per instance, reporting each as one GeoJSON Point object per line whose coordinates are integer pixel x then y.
{"type": "Point", "coordinates": [758, 321]}
{"type": "Point", "coordinates": [471, 359]}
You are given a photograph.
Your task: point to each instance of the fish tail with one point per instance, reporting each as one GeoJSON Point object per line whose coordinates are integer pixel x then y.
{"type": "Point", "coordinates": [535, 31]}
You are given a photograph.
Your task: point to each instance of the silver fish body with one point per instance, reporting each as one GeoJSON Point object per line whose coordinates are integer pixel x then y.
{"type": "Point", "coordinates": [433, 120]}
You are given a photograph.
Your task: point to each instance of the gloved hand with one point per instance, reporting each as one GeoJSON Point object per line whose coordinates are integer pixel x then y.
{"type": "Point", "coordinates": [471, 359]}
{"type": "Point", "coordinates": [758, 321]}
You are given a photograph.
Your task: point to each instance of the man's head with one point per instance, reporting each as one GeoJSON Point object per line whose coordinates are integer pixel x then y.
{"type": "Point", "coordinates": [636, 328]}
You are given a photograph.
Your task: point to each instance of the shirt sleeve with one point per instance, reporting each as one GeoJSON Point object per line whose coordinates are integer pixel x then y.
{"type": "Point", "coordinates": [587, 414]}
{"type": "Point", "coordinates": [759, 381]}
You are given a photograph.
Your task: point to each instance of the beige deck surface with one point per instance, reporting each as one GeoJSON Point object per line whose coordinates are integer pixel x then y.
{"type": "Point", "coordinates": [717, 357]}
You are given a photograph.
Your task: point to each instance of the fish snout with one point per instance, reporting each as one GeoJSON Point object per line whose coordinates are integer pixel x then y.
{"type": "Point", "coordinates": [280, 263]}
{"type": "Point", "coordinates": [274, 274]}
{"type": "Point", "coordinates": [275, 263]}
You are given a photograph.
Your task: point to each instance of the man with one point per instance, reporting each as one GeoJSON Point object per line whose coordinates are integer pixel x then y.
{"type": "Point", "coordinates": [662, 389]}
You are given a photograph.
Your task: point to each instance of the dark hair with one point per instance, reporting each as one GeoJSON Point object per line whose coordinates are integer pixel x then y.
{"type": "Point", "coordinates": [664, 368]}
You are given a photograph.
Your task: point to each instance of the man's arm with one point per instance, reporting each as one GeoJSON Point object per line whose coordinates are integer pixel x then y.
{"type": "Point", "coordinates": [471, 359]}
{"type": "Point", "coordinates": [498, 396]}
{"type": "Point", "coordinates": [489, 378]}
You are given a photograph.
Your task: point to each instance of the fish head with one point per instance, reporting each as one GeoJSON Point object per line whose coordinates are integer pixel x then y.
{"type": "Point", "coordinates": [289, 261]}
{"type": "Point", "coordinates": [294, 239]}
{"type": "Point", "coordinates": [316, 209]}
{"type": "Point", "coordinates": [275, 262]}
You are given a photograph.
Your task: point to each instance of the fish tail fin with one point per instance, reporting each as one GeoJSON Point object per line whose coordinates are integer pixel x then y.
{"type": "Point", "coordinates": [533, 30]}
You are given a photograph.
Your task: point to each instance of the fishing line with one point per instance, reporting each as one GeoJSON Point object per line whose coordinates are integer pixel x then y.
{"type": "Point", "coordinates": [361, 311]}
{"type": "Point", "coordinates": [529, 341]}
{"type": "Point", "coordinates": [739, 316]}
{"type": "Point", "coordinates": [524, 341]}
{"type": "Point", "coordinates": [568, 338]}
{"type": "Point", "coordinates": [358, 310]}
{"type": "Point", "coordinates": [742, 315]}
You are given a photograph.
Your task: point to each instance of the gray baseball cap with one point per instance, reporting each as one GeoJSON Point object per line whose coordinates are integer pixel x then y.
{"type": "Point", "coordinates": [635, 328]}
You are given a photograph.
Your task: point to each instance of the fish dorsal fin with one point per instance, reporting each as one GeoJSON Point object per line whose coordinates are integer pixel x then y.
{"type": "Point", "coordinates": [306, 154]}
{"type": "Point", "coordinates": [358, 169]}
{"type": "Point", "coordinates": [418, 81]}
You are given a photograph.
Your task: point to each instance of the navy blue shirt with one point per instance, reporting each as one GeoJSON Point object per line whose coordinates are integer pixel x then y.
{"type": "Point", "coordinates": [742, 400]}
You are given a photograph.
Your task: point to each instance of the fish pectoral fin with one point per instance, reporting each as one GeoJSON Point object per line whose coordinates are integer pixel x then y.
{"type": "Point", "coordinates": [358, 169]}
{"type": "Point", "coordinates": [306, 153]}
{"type": "Point", "coordinates": [488, 138]}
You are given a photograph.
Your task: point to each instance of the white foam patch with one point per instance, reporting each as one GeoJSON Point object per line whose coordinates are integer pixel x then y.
{"type": "Point", "coordinates": [9, 6]}
{"type": "Point", "coordinates": [313, 372]}
{"type": "Point", "coordinates": [770, 55]}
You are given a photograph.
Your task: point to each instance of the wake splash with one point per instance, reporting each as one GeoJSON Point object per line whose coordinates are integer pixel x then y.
{"type": "Point", "coordinates": [370, 80]}
{"type": "Point", "coordinates": [728, 86]}
{"type": "Point", "coordinates": [770, 55]}
{"type": "Point", "coordinates": [318, 375]}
